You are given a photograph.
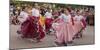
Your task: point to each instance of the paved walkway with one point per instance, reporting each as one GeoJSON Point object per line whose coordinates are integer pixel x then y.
{"type": "Point", "coordinates": [17, 42]}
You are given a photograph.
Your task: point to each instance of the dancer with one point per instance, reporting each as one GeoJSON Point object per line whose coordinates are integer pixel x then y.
{"type": "Point", "coordinates": [22, 17]}
{"type": "Point", "coordinates": [48, 21]}
{"type": "Point", "coordinates": [79, 24]}
{"type": "Point", "coordinates": [42, 19]}
{"type": "Point", "coordinates": [63, 27]}
{"type": "Point", "coordinates": [36, 15]}
{"type": "Point", "coordinates": [36, 12]}
{"type": "Point", "coordinates": [30, 28]}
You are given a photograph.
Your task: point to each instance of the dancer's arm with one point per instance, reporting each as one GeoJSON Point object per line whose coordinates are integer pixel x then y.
{"type": "Point", "coordinates": [56, 19]}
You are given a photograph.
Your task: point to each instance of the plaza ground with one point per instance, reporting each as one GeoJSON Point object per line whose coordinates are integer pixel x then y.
{"type": "Point", "coordinates": [48, 41]}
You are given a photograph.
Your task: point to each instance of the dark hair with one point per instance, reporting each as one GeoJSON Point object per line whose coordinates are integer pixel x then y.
{"type": "Point", "coordinates": [77, 10]}
{"type": "Point", "coordinates": [23, 8]}
{"type": "Point", "coordinates": [62, 11]}
{"type": "Point", "coordinates": [42, 12]}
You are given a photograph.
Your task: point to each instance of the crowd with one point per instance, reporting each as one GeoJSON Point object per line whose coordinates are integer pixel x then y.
{"type": "Point", "coordinates": [36, 22]}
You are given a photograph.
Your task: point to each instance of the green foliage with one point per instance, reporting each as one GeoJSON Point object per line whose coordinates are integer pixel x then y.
{"type": "Point", "coordinates": [19, 3]}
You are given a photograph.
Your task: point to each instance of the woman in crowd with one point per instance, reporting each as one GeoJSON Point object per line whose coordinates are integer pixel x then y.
{"type": "Point", "coordinates": [15, 20]}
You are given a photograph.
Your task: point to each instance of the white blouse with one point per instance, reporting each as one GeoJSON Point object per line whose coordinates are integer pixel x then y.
{"type": "Point", "coordinates": [78, 18]}
{"type": "Point", "coordinates": [48, 15]}
{"type": "Point", "coordinates": [35, 12]}
{"type": "Point", "coordinates": [66, 18]}
{"type": "Point", "coordinates": [23, 16]}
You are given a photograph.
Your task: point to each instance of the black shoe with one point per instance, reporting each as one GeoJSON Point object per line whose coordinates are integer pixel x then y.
{"type": "Point", "coordinates": [58, 44]}
{"type": "Point", "coordinates": [48, 33]}
{"type": "Point", "coordinates": [70, 42]}
{"type": "Point", "coordinates": [65, 44]}
{"type": "Point", "coordinates": [80, 35]}
{"type": "Point", "coordinates": [73, 37]}
{"type": "Point", "coordinates": [18, 32]}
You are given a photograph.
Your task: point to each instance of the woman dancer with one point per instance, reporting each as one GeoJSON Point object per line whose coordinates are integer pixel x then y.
{"type": "Point", "coordinates": [36, 12]}
{"type": "Point", "coordinates": [22, 17]}
{"type": "Point", "coordinates": [48, 21]}
{"type": "Point", "coordinates": [36, 15]}
{"type": "Point", "coordinates": [63, 27]}
{"type": "Point", "coordinates": [79, 24]}
{"type": "Point", "coordinates": [42, 18]}
{"type": "Point", "coordinates": [31, 29]}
